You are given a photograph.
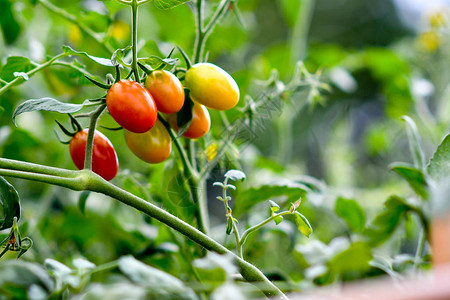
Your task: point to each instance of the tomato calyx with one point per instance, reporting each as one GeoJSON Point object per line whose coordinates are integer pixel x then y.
{"type": "Point", "coordinates": [76, 126]}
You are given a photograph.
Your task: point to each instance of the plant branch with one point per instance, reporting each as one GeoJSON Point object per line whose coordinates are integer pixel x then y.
{"type": "Point", "coordinates": [38, 68]}
{"type": "Point", "coordinates": [257, 226]}
{"type": "Point", "coordinates": [87, 180]}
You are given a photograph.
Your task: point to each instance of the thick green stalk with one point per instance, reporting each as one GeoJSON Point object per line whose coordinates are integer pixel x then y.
{"type": "Point", "coordinates": [87, 180]}
{"type": "Point", "coordinates": [90, 139]}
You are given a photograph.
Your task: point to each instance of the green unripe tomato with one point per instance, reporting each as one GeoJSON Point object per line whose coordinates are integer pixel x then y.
{"type": "Point", "coordinates": [212, 86]}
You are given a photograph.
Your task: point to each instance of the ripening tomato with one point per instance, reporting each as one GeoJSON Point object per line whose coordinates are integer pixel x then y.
{"type": "Point", "coordinates": [212, 86]}
{"type": "Point", "coordinates": [166, 90]}
{"type": "Point", "coordinates": [200, 124]}
{"type": "Point", "coordinates": [153, 146]}
{"type": "Point", "coordinates": [131, 106]}
{"type": "Point", "coordinates": [104, 157]}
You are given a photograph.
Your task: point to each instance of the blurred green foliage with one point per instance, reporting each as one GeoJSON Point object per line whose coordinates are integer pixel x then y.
{"type": "Point", "coordinates": [334, 156]}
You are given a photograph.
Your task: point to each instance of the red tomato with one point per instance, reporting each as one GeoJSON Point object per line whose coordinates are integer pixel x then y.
{"type": "Point", "coordinates": [200, 124]}
{"type": "Point", "coordinates": [166, 90]}
{"type": "Point", "coordinates": [131, 106]}
{"type": "Point", "coordinates": [104, 157]}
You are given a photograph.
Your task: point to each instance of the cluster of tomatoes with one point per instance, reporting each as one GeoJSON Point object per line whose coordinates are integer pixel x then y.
{"type": "Point", "coordinates": [135, 108]}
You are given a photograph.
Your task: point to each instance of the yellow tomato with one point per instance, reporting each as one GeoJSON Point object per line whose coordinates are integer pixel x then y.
{"type": "Point", "coordinates": [212, 86]}
{"type": "Point", "coordinates": [153, 146]}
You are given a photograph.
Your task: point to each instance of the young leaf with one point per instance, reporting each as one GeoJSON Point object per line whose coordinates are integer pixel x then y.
{"type": "Point", "coordinates": [415, 178]}
{"type": "Point", "coordinates": [158, 63]}
{"type": "Point", "coordinates": [15, 64]}
{"type": "Point", "coordinates": [47, 104]}
{"type": "Point", "coordinates": [100, 60]}
{"type": "Point", "coordinates": [10, 205]}
{"type": "Point", "coordinates": [235, 175]}
{"type": "Point", "coordinates": [384, 224]}
{"type": "Point", "coordinates": [303, 224]}
{"type": "Point", "coordinates": [118, 55]}
{"type": "Point", "coordinates": [166, 4]}
{"type": "Point", "coordinates": [351, 212]}
{"type": "Point", "coordinates": [229, 226]}
{"type": "Point", "coordinates": [278, 220]}
{"type": "Point", "coordinates": [415, 143]}
{"type": "Point", "coordinates": [439, 165]}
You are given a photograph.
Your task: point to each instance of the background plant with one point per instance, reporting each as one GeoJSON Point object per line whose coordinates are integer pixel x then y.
{"type": "Point", "coordinates": [348, 144]}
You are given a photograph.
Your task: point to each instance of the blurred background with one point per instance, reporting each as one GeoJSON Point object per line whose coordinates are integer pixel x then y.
{"type": "Point", "coordinates": [381, 59]}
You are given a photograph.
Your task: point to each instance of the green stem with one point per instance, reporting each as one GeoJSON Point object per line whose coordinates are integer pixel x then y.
{"type": "Point", "coordinates": [134, 15]}
{"type": "Point", "coordinates": [196, 186]}
{"type": "Point", "coordinates": [90, 138]}
{"type": "Point", "coordinates": [188, 169]}
{"type": "Point", "coordinates": [257, 226]}
{"type": "Point", "coordinates": [72, 19]}
{"type": "Point", "coordinates": [38, 68]}
{"type": "Point", "coordinates": [104, 267]}
{"type": "Point", "coordinates": [203, 33]}
{"type": "Point", "coordinates": [198, 48]}
{"type": "Point", "coordinates": [419, 251]}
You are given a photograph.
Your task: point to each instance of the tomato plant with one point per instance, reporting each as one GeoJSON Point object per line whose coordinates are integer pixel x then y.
{"type": "Point", "coordinates": [153, 146]}
{"type": "Point", "coordinates": [131, 106]}
{"type": "Point", "coordinates": [291, 194]}
{"type": "Point", "coordinates": [104, 157]}
{"type": "Point", "coordinates": [211, 86]}
{"type": "Point", "coordinates": [166, 90]}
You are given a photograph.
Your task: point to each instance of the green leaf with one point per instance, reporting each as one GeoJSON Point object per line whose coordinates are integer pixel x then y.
{"type": "Point", "coordinates": [17, 277]}
{"type": "Point", "coordinates": [414, 176]}
{"type": "Point", "coordinates": [439, 165]}
{"type": "Point", "coordinates": [354, 259]}
{"type": "Point", "coordinates": [235, 175]}
{"type": "Point", "coordinates": [63, 274]}
{"type": "Point", "coordinates": [47, 104]}
{"type": "Point", "coordinates": [157, 62]}
{"type": "Point", "coordinates": [184, 115]}
{"type": "Point", "coordinates": [160, 284]}
{"type": "Point", "coordinates": [278, 220]}
{"type": "Point", "coordinates": [100, 60]}
{"type": "Point", "coordinates": [10, 205]}
{"type": "Point", "coordinates": [415, 143]}
{"type": "Point", "coordinates": [15, 64]}
{"type": "Point", "coordinates": [385, 223]}
{"type": "Point", "coordinates": [166, 4]}
{"type": "Point", "coordinates": [229, 226]}
{"type": "Point", "coordinates": [351, 212]}
{"type": "Point", "coordinates": [10, 27]}
{"type": "Point", "coordinates": [118, 55]}
{"type": "Point", "coordinates": [248, 198]}
{"type": "Point", "coordinates": [303, 224]}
